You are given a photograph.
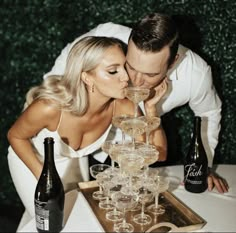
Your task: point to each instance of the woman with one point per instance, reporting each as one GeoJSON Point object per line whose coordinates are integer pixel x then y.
{"type": "Point", "coordinates": [75, 109]}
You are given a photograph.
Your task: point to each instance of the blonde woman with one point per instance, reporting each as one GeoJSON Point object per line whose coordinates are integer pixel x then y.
{"type": "Point", "coordinates": [75, 109]}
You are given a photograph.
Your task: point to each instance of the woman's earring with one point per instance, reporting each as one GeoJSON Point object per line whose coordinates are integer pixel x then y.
{"type": "Point", "coordinates": [92, 88]}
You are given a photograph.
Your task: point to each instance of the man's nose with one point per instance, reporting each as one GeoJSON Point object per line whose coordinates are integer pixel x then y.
{"type": "Point", "coordinates": [137, 79]}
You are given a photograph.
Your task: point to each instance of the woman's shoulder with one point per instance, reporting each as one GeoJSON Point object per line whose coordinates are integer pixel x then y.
{"type": "Point", "coordinates": [45, 108]}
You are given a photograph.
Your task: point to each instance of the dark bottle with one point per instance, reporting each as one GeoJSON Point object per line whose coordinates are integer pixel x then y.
{"type": "Point", "coordinates": [49, 194]}
{"type": "Point", "coordinates": [196, 163]}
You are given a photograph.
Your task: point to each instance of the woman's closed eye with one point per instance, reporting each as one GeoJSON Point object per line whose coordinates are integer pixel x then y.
{"type": "Point", "coordinates": [113, 72]}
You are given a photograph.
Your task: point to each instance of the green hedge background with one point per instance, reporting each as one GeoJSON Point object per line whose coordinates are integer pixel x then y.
{"type": "Point", "coordinates": [33, 32]}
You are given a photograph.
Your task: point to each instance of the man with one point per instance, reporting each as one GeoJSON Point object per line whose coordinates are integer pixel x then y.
{"type": "Point", "coordinates": [157, 61]}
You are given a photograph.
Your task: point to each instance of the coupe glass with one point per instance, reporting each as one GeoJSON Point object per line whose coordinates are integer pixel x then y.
{"type": "Point", "coordinates": [145, 195]}
{"type": "Point", "coordinates": [112, 146]}
{"type": "Point", "coordinates": [136, 95]}
{"type": "Point", "coordinates": [115, 215]}
{"type": "Point", "coordinates": [152, 124]}
{"type": "Point", "coordinates": [94, 171]}
{"type": "Point", "coordinates": [106, 147]}
{"type": "Point", "coordinates": [104, 179]}
{"type": "Point", "coordinates": [116, 121]}
{"type": "Point", "coordinates": [133, 127]}
{"type": "Point", "coordinates": [124, 202]}
{"type": "Point", "coordinates": [162, 184]}
{"type": "Point", "coordinates": [150, 155]}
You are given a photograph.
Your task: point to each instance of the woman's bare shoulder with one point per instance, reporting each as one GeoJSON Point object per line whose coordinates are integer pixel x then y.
{"type": "Point", "coordinates": [43, 109]}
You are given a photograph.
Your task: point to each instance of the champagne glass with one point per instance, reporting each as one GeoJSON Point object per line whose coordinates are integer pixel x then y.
{"type": "Point", "coordinates": [106, 147]}
{"type": "Point", "coordinates": [152, 124]}
{"type": "Point", "coordinates": [133, 127]}
{"type": "Point", "coordinates": [136, 95]}
{"type": "Point", "coordinates": [110, 146]}
{"type": "Point", "coordinates": [115, 185]}
{"type": "Point", "coordinates": [94, 171]}
{"type": "Point", "coordinates": [124, 202]}
{"type": "Point", "coordinates": [104, 179]}
{"type": "Point", "coordinates": [162, 184]}
{"type": "Point", "coordinates": [150, 155]}
{"type": "Point", "coordinates": [116, 121]}
{"type": "Point", "coordinates": [130, 162]}
{"type": "Point", "coordinates": [117, 151]}
{"type": "Point", "coordinates": [145, 195]}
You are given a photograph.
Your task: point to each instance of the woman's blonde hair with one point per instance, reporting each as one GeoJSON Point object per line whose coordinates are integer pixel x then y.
{"type": "Point", "coordinates": [69, 92]}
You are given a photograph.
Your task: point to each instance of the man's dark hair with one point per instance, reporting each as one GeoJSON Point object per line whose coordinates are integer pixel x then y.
{"type": "Point", "coordinates": [154, 32]}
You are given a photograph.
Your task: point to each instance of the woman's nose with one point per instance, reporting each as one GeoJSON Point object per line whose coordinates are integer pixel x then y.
{"type": "Point", "coordinates": [124, 77]}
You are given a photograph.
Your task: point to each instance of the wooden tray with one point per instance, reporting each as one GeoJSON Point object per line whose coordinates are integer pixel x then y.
{"type": "Point", "coordinates": [178, 216]}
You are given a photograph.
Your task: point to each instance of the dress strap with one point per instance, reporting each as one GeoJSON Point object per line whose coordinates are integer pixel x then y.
{"type": "Point", "coordinates": [59, 121]}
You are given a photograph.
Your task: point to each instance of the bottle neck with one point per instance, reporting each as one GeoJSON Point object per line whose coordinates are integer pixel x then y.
{"type": "Point", "coordinates": [197, 127]}
{"type": "Point", "coordinates": [49, 152]}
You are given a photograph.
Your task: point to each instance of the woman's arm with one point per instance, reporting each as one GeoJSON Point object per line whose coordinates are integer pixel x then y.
{"type": "Point", "coordinates": [158, 139]}
{"type": "Point", "coordinates": [37, 116]}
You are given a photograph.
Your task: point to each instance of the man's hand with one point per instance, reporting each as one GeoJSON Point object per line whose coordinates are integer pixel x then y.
{"type": "Point", "coordinates": [218, 182]}
{"type": "Point", "coordinates": [156, 94]}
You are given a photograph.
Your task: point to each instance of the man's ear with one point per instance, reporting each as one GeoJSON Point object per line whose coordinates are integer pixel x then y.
{"type": "Point", "coordinates": [175, 60]}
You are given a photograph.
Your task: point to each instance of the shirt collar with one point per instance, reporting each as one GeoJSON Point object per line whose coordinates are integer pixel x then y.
{"type": "Point", "coordinates": [182, 54]}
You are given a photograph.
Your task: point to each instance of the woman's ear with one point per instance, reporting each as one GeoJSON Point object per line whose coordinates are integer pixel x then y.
{"type": "Point", "coordinates": [87, 81]}
{"type": "Point", "coordinates": [84, 77]}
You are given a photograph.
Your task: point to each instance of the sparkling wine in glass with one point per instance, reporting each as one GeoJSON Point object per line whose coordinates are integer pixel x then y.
{"type": "Point", "coordinates": [150, 155]}
{"type": "Point", "coordinates": [136, 95]}
{"type": "Point", "coordinates": [124, 202]}
{"type": "Point", "coordinates": [145, 195]}
{"type": "Point", "coordinates": [152, 124]}
{"type": "Point", "coordinates": [113, 148]}
{"type": "Point", "coordinates": [106, 147]}
{"type": "Point", "coordinates": [133, 127]}
{"type": "Point", "coordinates": [94, 171]}
{"type": "Point", "coordinates": [161, 185]}
{"type": "Point", "coordinates": [116, 121]}
{"type": "Point", "coordinates": [130, 163]}
{"type": "Point", "coordinates": [104, 180]}
{"type": "Point", "coordinates": [115, 186]}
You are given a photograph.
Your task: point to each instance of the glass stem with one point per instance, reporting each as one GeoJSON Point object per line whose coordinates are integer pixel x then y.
{"type": "Point", "coordinates": [135, 110]}
{"type": "Point", "coordinates": [157, 200]}
{"type": "Point", "coordinates": [142, 211]}
{"type": "Point", "coordinates": [133, 143]}
{"type": "Point", "coordinates": [146, 169]}
{"type": "Point", "coordinates": [100, 189]}
{"type": "Point", "coordinates": [123, 137]}
{"type": "Point", "coordinates": [147, 137]}
{"type": "Point", "coordinates": [124, 219]}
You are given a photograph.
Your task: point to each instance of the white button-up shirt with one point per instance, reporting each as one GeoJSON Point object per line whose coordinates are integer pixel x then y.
{"type": "Point", "coordinates": [189, 81]}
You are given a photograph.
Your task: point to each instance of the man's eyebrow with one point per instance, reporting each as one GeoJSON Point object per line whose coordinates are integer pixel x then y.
{"type": "Point", "coordinates": [157, 73]}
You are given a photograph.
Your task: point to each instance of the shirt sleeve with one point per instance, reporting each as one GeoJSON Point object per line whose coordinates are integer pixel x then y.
{"type": "Point", "coordinates": [107, 29]}
{"type": "Point", "coordinates": [205, 102]}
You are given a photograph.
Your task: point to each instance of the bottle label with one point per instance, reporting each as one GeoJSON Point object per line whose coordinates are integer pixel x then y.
{"type": "Point", "coordinates": [41, 215]}
{"type": "Point", "coordinates": [193, 171]}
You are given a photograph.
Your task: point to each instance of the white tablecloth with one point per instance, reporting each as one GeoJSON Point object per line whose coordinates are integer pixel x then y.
{"type": "Point", "coordinates": [218, 210]}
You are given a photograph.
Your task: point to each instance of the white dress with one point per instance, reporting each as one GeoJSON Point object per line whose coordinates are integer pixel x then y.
{"type": "Point", "coordinates": [71, 165]}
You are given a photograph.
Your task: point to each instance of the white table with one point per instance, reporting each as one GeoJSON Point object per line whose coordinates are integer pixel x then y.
{"type": "Point", "coordinates": [218, 210]}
